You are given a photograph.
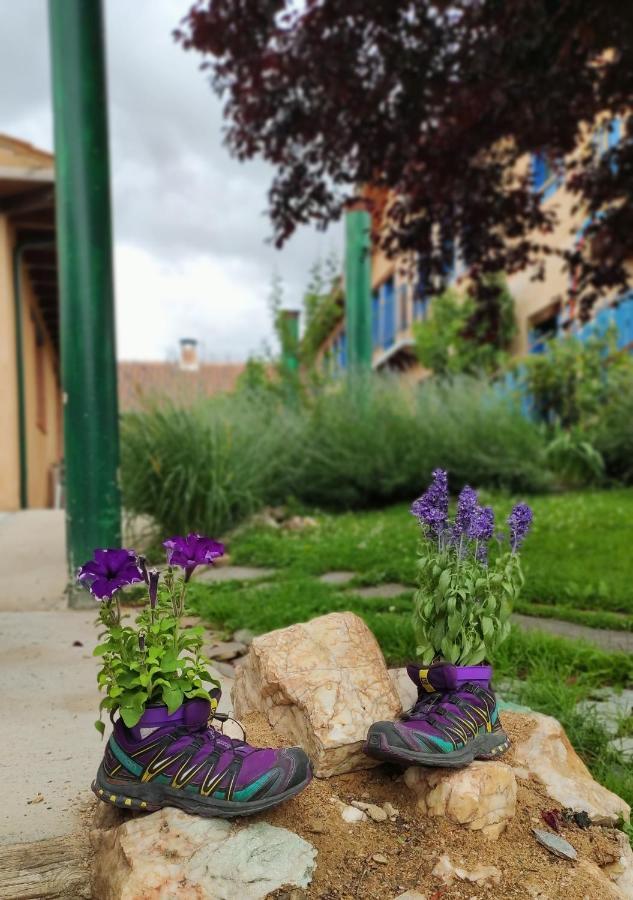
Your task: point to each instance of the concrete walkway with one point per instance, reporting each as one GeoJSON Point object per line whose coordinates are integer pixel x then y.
{"type": "Point", "coordinates": [33, 550]}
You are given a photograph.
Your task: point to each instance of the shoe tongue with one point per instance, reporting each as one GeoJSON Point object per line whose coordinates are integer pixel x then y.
{"type": "Point", "coordinates": [447, 677]}
{"type": "Point", "coordinates": [192, 714]}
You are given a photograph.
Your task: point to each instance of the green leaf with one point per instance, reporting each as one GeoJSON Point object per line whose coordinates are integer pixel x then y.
{"type": "Point", "coordinates": [444, 581]}
{"type": "Point", "coordinates": [172, 697]}
{"type": "Point", "coordinates": [170, 661]}
{"type": "Point", "coordinates": [131, 715]}
{"type": "Point", "coordinates": [487, 626]}
{"type": "Point", "coordinates": [100, 649]}
{"type": "Point", "coordinates": [100, 726]}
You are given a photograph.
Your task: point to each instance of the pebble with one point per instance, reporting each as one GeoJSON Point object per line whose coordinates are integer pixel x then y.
{"type": "Point", "coordinates": [380, 858]}
{"type": "Point", "coordinates": [244, 636]}
{"type": "Point", "coordinates": [377, 813]}
{"type": "Point", "coordinates": [391, 810]}
{"type": "Point", "coordinates": [227, 650]}
{"type": "Point", "coordinates": [555, 844]}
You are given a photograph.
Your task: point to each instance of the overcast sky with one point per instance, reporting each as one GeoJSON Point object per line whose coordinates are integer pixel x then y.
{"type": "Point", "coordinates": [190, 230]}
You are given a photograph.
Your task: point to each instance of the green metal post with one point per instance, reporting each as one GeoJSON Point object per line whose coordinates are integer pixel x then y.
{"type": "Point", "coordinates": [358, 289]}
{"type": "Point", "coordinates": [290, 340]}
{"type": "Point", "coordinates": [84, 249]}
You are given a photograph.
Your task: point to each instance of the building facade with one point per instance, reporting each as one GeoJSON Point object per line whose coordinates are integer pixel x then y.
{"type": "Point", "coordinates": [30, 393]}
{"type": "Point", "coordinates": [543, 309]}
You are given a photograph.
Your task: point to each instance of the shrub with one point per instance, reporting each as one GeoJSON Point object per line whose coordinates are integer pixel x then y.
{"type": "Point", "coordinates": [208, 466]}
{"type": "Point", "coordinates": [354, 444]}
{"type": "Point", "coordinates": [612, 434]}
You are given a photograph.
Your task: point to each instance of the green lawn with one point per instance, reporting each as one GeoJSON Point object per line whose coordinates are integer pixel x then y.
{"type": "Point", "coordinates": [577, 557]}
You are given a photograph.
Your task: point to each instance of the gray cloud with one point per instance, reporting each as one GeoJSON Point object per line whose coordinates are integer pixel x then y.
{"type": "Point", "coordinates": [177, 195]}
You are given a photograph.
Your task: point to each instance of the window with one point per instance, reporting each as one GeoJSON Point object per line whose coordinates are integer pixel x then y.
{"type": "Point", "coordinates": [404, 307]}
{"type": "Point", "coordinates": [40, 379]}
{"type": "Point", "coordinates": [375, 318]}
{"type": "Point", "coordinates": [543, 328]}
{"type": "Point", "coordinates": [545, 177]}
{"type": "Point", "coordinates": [606, 137]}
{"type": "Point", "coordinates": [388, 295]}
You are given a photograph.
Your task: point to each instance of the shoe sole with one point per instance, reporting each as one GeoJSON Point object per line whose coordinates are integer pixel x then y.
{"type": "Point", "coordinates": [485, 746]}
{"type": "Point", "coordinates": [152, 797]}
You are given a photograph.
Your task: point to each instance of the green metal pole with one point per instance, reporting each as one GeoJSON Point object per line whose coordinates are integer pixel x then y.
{"type": "Point", "coordinates": [290, 340]}
{"type": "Point", "coordinates": [84, 249]}
{"type": "Point", "coordinates": [358, 289]}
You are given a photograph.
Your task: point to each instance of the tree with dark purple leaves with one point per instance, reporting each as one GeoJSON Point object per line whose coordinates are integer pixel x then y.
{"type": "Point", "coordinates": [435, 104]}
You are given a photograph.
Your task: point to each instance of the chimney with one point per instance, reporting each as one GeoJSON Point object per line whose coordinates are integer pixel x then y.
{"type": "Point", "coordinates": [189, 358]}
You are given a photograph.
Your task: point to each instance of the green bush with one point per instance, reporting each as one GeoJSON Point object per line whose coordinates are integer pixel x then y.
{"type": "Point", "coordinates": [208, 466]}
{"type": "Point", "coordinates": [354, 444]}
{"type": "Point", "coordinates": [612, 434]}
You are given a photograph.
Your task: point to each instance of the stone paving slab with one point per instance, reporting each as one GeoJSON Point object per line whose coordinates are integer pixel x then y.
{"type": "Point", "coordinates": [337, 577]}
{"type": "Point", "coordinates": [603, 637]}
{"type": "Point", "coordinates": [232, 573]}
{"type": "Point", "coordinates": [388, 590]}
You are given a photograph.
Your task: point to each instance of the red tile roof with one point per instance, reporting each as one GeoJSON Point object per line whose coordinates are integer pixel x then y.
{"type": "Point", "coordinates": [139, 381]}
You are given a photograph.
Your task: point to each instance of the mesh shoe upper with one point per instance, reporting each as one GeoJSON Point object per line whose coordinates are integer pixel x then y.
{"type": "Point", "coordinates": [185, 751]}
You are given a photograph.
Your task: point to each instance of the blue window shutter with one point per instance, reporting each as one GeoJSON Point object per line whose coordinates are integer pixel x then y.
{"type": "Point", "coordinates": [540, 171]}
{"type": "Point", "coordinates": [375, 318]}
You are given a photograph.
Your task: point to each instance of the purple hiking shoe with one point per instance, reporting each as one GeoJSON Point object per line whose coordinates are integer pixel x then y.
{"type": "Point", "coordinates": [180, 760]}
{"type": "Point", "coordinates": [454, 721]}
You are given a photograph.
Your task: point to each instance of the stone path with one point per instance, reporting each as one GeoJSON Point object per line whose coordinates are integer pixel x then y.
{"type": "Point", "coordinates": [604, 637]}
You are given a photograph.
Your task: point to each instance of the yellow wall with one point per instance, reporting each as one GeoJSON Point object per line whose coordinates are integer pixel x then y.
{"type": "Point", "coordinates": [43, 444]}
{"type": "Point", "coordinates": [9, 456]}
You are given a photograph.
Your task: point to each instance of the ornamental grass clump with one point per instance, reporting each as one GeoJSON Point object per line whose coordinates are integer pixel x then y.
{"type": "Point", "coordinates": [155, 661]}
{"type": "Point", "coordinates": [469, 575]}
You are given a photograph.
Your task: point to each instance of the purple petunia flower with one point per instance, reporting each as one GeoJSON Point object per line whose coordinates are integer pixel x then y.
{"type": "Point", "coordinates": [191, 551]}
{"type": "Point", "coordinates": [482, 523]}
{"type": "Point", "coordinates": [109, 571]}
{"type": "Point", "coordinates": [432, 507]}
{"type": "Point", "coordinates": [519, 520]}
{"type": "Point", "coordinates": [152, 584]}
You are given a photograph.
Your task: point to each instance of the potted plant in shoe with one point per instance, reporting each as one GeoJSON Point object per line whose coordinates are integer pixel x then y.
{"type": "Point", "coordinates": [469, 577]}
{"type": "Point", "coordinates": [161, 698]}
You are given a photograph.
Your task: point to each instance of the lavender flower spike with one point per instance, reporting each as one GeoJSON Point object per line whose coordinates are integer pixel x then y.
{"type": "Point", "coordinates": [432, 507]}
{"type": "Point", "coordinates": [109, 571]}
{"type": "Point", "coordinates": [466, 506]}
{"type": "Point", "coordinates": [482, 523]}
{"type": "Point", "coordinates": [519, 520]}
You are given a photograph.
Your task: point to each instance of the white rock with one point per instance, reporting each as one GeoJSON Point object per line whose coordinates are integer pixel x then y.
{"type": "Point", "coordinates": [171, 854]}
{"type": "Point", "coordinates": [320, 685]}
{"type": "Point", "coordinates": [481, 796]}
{"type": "Point", "coordinates": [447, 872]}
{"type": "Point", "coordinates": [411, 895]}
{"type": "Point", "coordinates": [377, 813]}
{"type": "Point", "coordinates": [405, 688]}
{"type": "Point", "coordinates": [548, 754]}
{"type": "Point", "coordinates": [621, 871]}
{"type": "Point", "coordinates": [350, 814]}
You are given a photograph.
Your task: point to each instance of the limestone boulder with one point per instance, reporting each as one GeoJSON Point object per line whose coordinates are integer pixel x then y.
{"type": "Point", "coordinates": [548, 754]}
{"type": "Point", "coordinates": [482, 797]}
{"type": "Point", "coordinates": [320, 685]}
{"type": "Point", "coordinates": [175, 855]}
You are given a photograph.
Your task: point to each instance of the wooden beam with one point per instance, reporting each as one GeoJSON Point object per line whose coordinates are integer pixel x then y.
{"type": "Point", "coordinates": [27, 201]}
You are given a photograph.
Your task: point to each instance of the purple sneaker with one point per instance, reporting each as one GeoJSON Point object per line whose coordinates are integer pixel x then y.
{"type": "Point", "coordinates": [180, 760]}
{"type": "Point", "coordinates": [454, 721]}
